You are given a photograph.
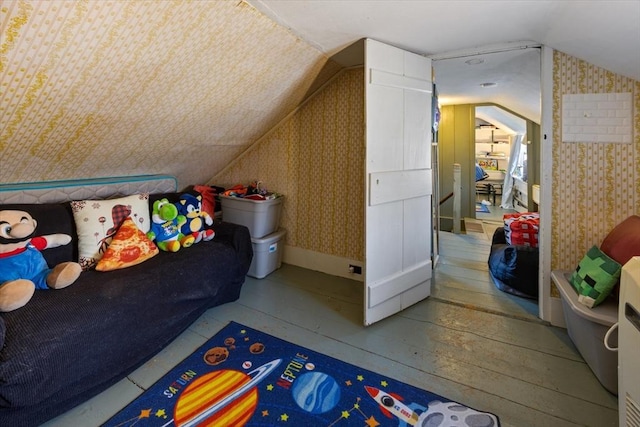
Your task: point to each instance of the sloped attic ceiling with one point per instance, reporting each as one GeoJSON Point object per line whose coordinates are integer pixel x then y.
{"type": "Point", "coordinates": [107, 88]}
{"type": "Point", "coordinates": [605, 33]}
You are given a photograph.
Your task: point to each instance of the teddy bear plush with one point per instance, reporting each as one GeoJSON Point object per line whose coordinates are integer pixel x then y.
{"type": "Point", "coordinates": [190, 207]}
{"type": "Point", "coordinates": [23, 269]}
{"type": "Point", "coordinates": [165, 227]}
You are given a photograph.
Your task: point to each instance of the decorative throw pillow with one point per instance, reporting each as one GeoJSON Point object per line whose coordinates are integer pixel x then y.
{"type": "Point", "coordinates": [522, 228]}
{"type": "Point", "coordinates": [98, 220]}
{"type": "Point", "coordinates": [208, 198]}
{"type": "Point", "coordinates": [129, 246]}
{"type": "Point", "coordinates": [595, 277]}
{"type": "Point", "coordinates": [623, 242]}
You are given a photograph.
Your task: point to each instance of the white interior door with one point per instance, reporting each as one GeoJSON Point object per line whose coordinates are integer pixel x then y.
{"type": "Point", "coordinates": [398, 217]}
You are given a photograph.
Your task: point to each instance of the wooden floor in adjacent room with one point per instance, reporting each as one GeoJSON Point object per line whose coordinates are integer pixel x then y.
{"type": "Point", "coordinates": [462, 278]}
{"type": "Point", "coordinates": [468, 342]}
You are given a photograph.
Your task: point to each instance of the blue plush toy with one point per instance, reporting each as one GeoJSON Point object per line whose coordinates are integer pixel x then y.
{"type": "Point", "coordinates": [190, 207]}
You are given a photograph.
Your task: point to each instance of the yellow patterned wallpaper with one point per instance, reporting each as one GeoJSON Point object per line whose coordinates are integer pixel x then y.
{"type": "Point", "coordinates": [595, 185]}
{"type": "Point", "coordinates": [316, 159]}
{"type": "Point", "coordinates": [94, 88]}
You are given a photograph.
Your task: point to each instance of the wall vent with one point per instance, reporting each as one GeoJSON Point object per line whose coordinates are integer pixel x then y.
{"type": "Point", "coordinates": [633, 412]}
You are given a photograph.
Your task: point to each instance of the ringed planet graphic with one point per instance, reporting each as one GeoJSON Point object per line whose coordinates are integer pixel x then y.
{"type": "Point", "coordinates": [225, 397]}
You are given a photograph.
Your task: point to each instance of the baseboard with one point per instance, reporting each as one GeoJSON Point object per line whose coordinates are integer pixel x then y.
{"type": "Point", "coordinates": [329, 264]}
{"type": "Point", "coordinates": [446, 223]}
{"type": "Point", "coordinates": [556, 315]}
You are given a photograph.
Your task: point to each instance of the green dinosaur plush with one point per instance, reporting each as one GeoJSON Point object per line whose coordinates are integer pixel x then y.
{"type": "Point", "coordinates": [165, 227]}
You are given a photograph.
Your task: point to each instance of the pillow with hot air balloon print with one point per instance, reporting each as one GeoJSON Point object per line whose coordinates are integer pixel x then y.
{"type": "Point", "coordinates": [97, 221]}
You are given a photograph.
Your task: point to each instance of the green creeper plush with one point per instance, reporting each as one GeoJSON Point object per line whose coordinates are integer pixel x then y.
{"type": "Point", "coordinates": [595, 277]}
{"type": "Point", "coordinates": [165, 227]}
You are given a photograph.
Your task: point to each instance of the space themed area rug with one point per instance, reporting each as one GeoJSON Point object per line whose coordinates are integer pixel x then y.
{"type": "Point", "coordinates": [244, 377]}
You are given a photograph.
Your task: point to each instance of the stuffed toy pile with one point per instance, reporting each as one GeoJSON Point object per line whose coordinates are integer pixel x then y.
{"type": "Point", "coordinates": [166, 223]}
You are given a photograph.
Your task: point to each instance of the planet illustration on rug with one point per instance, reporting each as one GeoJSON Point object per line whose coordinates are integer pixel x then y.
{"type": "Point", "coordinates": [227, 396]}
{"type": "Point", "coordinates": [244, 377]}
{"type": "Point", "coordinates": [316, 392]}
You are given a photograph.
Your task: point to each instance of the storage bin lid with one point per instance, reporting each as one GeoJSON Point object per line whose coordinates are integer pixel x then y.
{"type": "Point", "coordinates": [604, 314]}
{"type": "Point", "coordinates": [269, 238]}
{"type": "Point", "coordinates": [245, 200]}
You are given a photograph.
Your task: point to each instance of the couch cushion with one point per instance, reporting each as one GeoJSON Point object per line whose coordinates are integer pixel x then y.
{"type": "Point", "coordinates": [98, 220]}
{"type": "Point", "coordinates": [3, 330]}
{"type": "Point", "coordinates": [623, 242]}
{"type": "Point", "coordinates": [52, 218]}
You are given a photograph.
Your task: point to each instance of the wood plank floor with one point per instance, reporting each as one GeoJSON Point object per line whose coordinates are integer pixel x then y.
{"type": "Point", "coordinates": [468, 342]}
{"type": "Point", "coordinates": [462, 277]}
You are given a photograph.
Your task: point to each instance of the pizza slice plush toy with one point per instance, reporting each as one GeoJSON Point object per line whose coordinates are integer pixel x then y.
{"type": "Point", "coordinates": [130, 246]}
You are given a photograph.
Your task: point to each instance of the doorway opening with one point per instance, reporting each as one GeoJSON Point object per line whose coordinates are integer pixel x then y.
{"type": "Point", "coordinates": [500, 167]}
{"type": "Point", "coordinates": [511, 157]}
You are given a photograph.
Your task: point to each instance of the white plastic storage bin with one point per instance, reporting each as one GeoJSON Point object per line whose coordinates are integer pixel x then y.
{"type": "Point", "coordinates": [267, 254]}
{"type": "Point", "coordinates": [260, 216]}
{"type": "Point", "coordinates": [587, 327]}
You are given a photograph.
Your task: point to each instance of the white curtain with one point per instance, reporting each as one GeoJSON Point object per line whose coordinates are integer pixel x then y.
{"type": "Point", "coordinates": [507, 186]}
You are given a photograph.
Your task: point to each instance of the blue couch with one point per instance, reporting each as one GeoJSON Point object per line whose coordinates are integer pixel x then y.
{"type": "Point", "coordinates": [68, 345]}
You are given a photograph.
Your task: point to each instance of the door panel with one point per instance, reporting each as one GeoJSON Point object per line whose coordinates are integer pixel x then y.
{"type": "Point", "coordinates": [383, 153]}
{"type": "Point", "coordinates": [417, 239]}
{"type": "Point", "coordinates": [385, 187]}
{"type": "Point", "coordinates": [383, 242]}
{"type": "Point", "coordinates": [398, 216]}
{"type": "Point", "coordinates": [417, 154]}
{"type": "Point", "coordinates": [394, 285]}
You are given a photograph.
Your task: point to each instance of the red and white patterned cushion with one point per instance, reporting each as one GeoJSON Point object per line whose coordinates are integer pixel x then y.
{"type": "Point", "coordinates": [522, 228]}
